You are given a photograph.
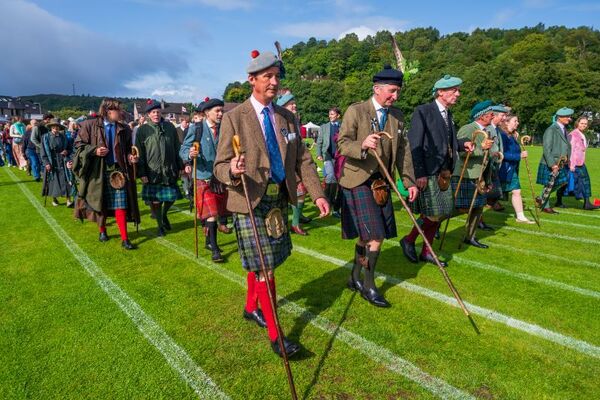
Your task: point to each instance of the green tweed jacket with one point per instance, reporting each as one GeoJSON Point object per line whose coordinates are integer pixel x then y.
{"type": "Point", "coordinates": [556, 146]}
{"type": "Point", "coordinates": [476, 159]}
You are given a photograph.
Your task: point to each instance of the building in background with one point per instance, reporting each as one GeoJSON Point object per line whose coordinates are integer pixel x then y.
{"type": "Point", "coordinates": [14, 106]}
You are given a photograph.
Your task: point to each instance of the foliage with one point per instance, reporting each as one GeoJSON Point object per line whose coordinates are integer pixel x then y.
{"type": "Point", "coordinates": [83, 102]}
{"type": "Point", "coordinates": [65, 113]}
{"type": "Point", "coordinates": [536, 70]}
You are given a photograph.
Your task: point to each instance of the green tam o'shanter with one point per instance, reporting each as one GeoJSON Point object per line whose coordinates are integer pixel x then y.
{"type": "Point", "coordinates": [446, 82]}
{"type": "Point", "coordinates": [481, 108]}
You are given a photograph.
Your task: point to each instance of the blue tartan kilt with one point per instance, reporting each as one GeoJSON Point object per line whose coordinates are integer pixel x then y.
{"type": "Point", "coordinates": [431, 201]}
{"type": "Point", "coordinates": [114, 199]}
{"type": "Point", "coordinates": [160, 193]}
{"type": "Point", "coordinates": [465, 193]}
{"type": "Point", "coordinates": [362, 217]}
{"type": "Point", "coordinates": [544, 173]}
{"type": "Point", "coordinates": [583, 185]}
{"type": "Point", "coordinates": [514, 183]}
{"type": "Point", "coordinates": [275, 251]}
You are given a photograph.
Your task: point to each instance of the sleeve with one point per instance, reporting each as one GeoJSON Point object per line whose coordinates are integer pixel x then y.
{"type": "Point", "coordinates": [225, 152]}
{"type": "Point", "coordinates": [140, 143]}
{"type": "Point", "coordinates": [348, 145]}
{"type": "Point", "coordinates": [45, 156]}
{"type": "Point", "coordinates": [320, 141]}
{"type": "Point", "coordinates": [35, 136]}
{"type": "Point", "coordinates": [548, 145]}
{"type": "Point", "coordinates": [512, 153]}
{"type": "Point", "coordinates": [184, 150]}
{"type": "Point", "coordinates": [415, 140]}
{"type": "Point", "coordinates": [307, 169]}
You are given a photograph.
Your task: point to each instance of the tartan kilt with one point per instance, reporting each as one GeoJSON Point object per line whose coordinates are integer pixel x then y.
{"type": "Point", "coordinates": [496, 191]}
{"type": "Point", "coordinates": [465, 193]}
{"type": "Point", "coordinates": [208, 203]}
{"type": "Point", "coordinates": [514, 183]}
{"type": "Point", "coordinates": [300, 189]}
{"type": "Point", "coordinates": [583, 183]}
{"type": "Point", "coordinates": [114, 199]}
{"type": "Point", "coordinates": [275, 251]}
{"type": "Point", "coordinates": [431, 201]}
{"type": "Point", "coordinates": [157, 192]}
{"type": "Point", "coordinates": [544, 173]}
{"type": "Point", "coordinates": [361, 216]}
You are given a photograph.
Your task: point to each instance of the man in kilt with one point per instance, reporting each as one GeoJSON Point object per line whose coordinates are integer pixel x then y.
{"type": "Point", "coordinates": [103, 165]}
{"type": "Point", "coordinates": [159, 164]}
{"type": "Point", "coordinates": [364, 217]}
{"type": "Point", "coordinates": [482, 115]}
{"type": "Point", "coordinates": [273, 155]}
{"type": "Point", "coordinates": [556, 146]}
{"type": "Point", "coordinates": [434, 146]}
{"type": "Point", "coordinates": [211, 196]}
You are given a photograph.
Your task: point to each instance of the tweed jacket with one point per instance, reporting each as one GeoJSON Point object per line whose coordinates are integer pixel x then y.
{"type": "Point", "coordinates": [323, 142]}
{"type": "Point", "coordinates": [208, 148]}
{"type": "Point", "coordinates": [476, 159]}
{"type": "Point", "coordinates": [360, 165]}
{"type": "Point", "coordinates": [243, 121]}
{"type": "Point", "coordinates": [556, 146]}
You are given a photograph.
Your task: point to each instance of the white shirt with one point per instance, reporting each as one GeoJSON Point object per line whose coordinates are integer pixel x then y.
{"type": "Point", "coordinates": [443, 110]}
{"type": "Point", "coordinates": [258, 108]}
{"type": "Point", "coordinates": [378, 108]}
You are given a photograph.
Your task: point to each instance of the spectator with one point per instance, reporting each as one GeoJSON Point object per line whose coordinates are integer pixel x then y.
{"type": "Point", "coordinates": [7, 146]}
{"type": "Point", "coordinates": [30, 151]}
{"type": "Point", "coordinates": [583, 187]}
{"type": "Point", "coordinates": [16, 132]}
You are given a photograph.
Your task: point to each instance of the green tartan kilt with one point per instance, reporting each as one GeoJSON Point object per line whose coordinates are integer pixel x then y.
{"type": "Point", "coordinates": [114, 199]}
{"type": "Point", "coordinates": [465, 193]}
{"type": "Point", "coordinates": [275, 251]}
{"type": "Point", "coordinates": [432, 202]}
{"type": "Point", "coordinates": [544, 173]}
{"type": "Point", "coordinates": [582, 181]}
{"type": "Point", "coordinates": [160, 193]}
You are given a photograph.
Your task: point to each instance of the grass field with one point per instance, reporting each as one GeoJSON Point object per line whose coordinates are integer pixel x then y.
{"type": "Point", "coordinates": [82, 319]}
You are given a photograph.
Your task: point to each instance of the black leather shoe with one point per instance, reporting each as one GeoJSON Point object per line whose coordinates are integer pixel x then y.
{"type": "Point", "coordinates": [216, 256]}
{"type": "Point", "coordinates": [484, 227]}
{"type": "Point", "coordinates": [103, 237]}
{"type": "Point", "coordinates": [409, 250]}
{"type": "Point", "coordinates": [474, 242]}
{"type": "Point", "coordinates": [355, 286]}
{"type": "Point", "coordinates": [167, 223]}
{"type": "Point", "coordinates": [373, 297]}
{"type": "Point", "coordinates": [256, 316]}
{"type": "Point", "coordinates": [437, 234]}
{"type": "Point", "coordinates": [549, 210]}
{"type": "Point", "coordinates": [561, 205]}
{"type": "Point", "coordinates": [290, 347]}
{"type": "Point", "coordinates": [429, 259]}
{"type": "Point", "coordinates": [304, 220]}
{"type": "Point", "coordinates": [127, 245]}
{"type": "Point", "coordinates": [161, 232]}
{"type": "Point", "coordinates": [207, 246]}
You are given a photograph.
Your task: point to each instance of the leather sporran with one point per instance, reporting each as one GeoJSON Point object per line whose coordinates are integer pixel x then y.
{"type": "Point", "coordinates": [380, 191]}
{"type": "Point", "coordinates": [483, 189]}
{"type": "Point", "coordinates": [216, 186]}
{"type": "Point", "coordinates": [274, 223]}
{"type": "Point", "coordinates": [444, 179]}
{"type": "Point", "coordinates": [117, 180]}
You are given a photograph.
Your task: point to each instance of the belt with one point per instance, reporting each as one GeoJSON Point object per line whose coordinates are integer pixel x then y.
{"type": "Point", "coordinates": [113, 167]}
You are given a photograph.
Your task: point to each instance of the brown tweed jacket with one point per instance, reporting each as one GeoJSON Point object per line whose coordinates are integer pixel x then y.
{"type": "Point", "coordinates": [359, 166]}
{"type": "Point", "coordinates": [242, 121]}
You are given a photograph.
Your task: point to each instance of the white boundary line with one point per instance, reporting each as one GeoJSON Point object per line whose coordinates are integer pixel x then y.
{"type": "Point", "coordinates": [174, 354]}
{"type": "Point", "coordinates": [554, 221]}
{"type": "Point", "coordinates": [379, 354]}
{"type": "Point", "coordinates": [532, 329]}
{"type": "Point", "coordinates": [589, 214]}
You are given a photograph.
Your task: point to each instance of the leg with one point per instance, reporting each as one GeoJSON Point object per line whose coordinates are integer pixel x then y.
{"type": "Point", "coordinates": [296, 215]}
{"type": "Point", "coordinates": [360, 262]}
{"type": "Point", "coordinates": [121, 219]}
{"type": "Point", "coordinates": [408, 245]}
{"type": "Point", "coordinates": [211, 225]}
{"type": "Point", "coordinates": [472, 227]}
{"type": "Point", "coordinates": [559, 196]}
{"type": "Point", "coordinates": [156, 208]}
{"type": "Point", "coordinates": [430, 227]}
{"type": "Point", "coordinates": [103, 237]}
{"type": "Point", "coordinates": [370, 292]}
{"type": "Point", "coordinates": [165, 209]}
{"type": "Point", "coordinates": [251, 310]}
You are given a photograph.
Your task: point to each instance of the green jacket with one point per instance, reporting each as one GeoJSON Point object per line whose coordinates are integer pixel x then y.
{"type": "Point", "coordinates": [556, 146]}
{"type": "Point", "coordinates": [493, 134]}
{"type": "Point", "coordinates": [476, 159]}
{"type": "Point", "coordinates": [159, 153]}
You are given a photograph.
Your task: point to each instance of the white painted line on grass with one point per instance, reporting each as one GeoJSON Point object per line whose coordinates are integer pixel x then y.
{"type": "Point", "coordinates": [588, 214]}
{"type": "Point", "coordinates": [175, 355]}
{"type": "Point", "coordinates": [377, 353]}
{"type": "Point", "coordinates": [555, 221]}
{"type": "Point", "coordinates": [532, 329]}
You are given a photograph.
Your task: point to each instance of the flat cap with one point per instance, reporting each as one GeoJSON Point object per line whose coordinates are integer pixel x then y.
{"type": "Point", "coordinates": [262, 61]}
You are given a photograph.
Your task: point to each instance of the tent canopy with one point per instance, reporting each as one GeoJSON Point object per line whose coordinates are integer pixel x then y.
{"type": "Point", "coordinates": [310, 125]}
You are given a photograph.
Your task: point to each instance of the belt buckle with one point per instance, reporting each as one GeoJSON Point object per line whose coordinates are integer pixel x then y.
{"type": "Point", "coordinates": [272, 189]}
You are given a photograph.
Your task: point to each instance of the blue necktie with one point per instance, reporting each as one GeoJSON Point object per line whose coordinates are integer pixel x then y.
{"type": "Point", "coordinates": [383, 119]}
{"type": "Point", "coordinates": [110, 134]}
{"type": "Point", "coordinates": [277, 170]}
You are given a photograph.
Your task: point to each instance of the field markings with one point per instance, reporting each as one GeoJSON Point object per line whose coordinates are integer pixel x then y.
{"type": "Point", "coordinates": [532, 329]}
{"type": "Point", "coordinates": [588, 214]}
{"type": "Point", "coordinates": [558, 222]}
{"type": "Point", "coordinates": [175, 355]}
{"type": "Point", "coordinates": [377, 353]}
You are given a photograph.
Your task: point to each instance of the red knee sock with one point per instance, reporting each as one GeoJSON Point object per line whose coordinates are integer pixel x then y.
{"type": "Point", "coordinates": [412, 236]}
{"type": "Point", "coordinates": [265, 305]}
{"type": "Point", "coordinates": [121, 217]}
{"type": "Point", "coordinates": [102, 228]}
{"type": "Point", "coordinates": [251, 296]}
{"type": "Point", "coordinates": [429, 228]}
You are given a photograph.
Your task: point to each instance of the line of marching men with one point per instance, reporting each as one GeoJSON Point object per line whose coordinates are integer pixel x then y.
{"type": "Point", "coordinates": [432, 161]}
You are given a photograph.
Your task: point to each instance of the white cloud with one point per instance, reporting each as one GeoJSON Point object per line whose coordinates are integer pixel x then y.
{"type": "Point", "coordinates": [218, 4]}
{"type": "Point", "coordinates": [360, 31]}
{"type": "Point", "coordinates": [339, 28]}
{"type": "Point", "coordinates": [162, 86]}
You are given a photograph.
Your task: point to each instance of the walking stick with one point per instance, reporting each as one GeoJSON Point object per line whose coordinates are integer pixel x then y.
{"type": "Point", "coordinates": [468, 231]}
{"type": "Point", "coordinates": [136, 153]}
{"type": "Point", "coordinates": [426, 243]}
{"type": "Point", "coordinates": [237, 149]}
{"type": "Point", "coordinates": [196, 147]}
{"type": "Point", "coordinates": [524, 140]}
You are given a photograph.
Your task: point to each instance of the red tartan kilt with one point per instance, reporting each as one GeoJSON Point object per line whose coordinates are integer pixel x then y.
{"type": "Point", "coordinates": [208, 203]}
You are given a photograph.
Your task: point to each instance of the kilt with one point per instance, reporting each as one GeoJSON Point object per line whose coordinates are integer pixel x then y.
{"type": "Point", "coordinates": [544, 173]}
{"type": "Point", "coordinates": [465, 193]}
{"type": "Point", "coordinates": [514, 183]}
{"type": "Point", "coordinates": [300, 189]}
{"type": "Point", "coordinates": [431, 201]}
{"type": "Point", "coordinates": [583, 186]}
{"type": "Point", "coordinates": [361, 216]}
{"type": "Point", "coordinates": [160, 193]}
{"type": "Point", "coordinates": [275, 251]}
{"type": "Point", "coordinates": [114, 199]}
{"type": "Point", "coordinates": [208, 203]}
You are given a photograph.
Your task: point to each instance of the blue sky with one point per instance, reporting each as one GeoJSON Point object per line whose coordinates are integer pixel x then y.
{"type": "Point", "coordinates": [185, 50]}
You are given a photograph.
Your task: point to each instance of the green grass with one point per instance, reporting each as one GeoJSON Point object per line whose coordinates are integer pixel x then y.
{"type": "Point", "coordinates": [63, 337]}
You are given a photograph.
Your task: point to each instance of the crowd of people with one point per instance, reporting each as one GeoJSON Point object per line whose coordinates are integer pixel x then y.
{"type": "Point", "coordinates": [442, 170]}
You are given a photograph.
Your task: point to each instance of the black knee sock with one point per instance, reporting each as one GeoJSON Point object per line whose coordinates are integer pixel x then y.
{"type": "Point", "coordinates": [165, 209]}
{"type": "Point", "coordinates": [157, 208]}
{"type": "Point", "coordinates": [369, 282]}
{"type": "Point", "coordinates": [359, 259]}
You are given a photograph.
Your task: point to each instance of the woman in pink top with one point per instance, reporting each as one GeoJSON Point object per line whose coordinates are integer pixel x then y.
{"type": "Point", "coordinates": [583, 187]}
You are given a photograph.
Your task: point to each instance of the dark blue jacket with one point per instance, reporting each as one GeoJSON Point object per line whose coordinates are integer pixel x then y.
{"type": "Point", "coordinates": [512, 157]}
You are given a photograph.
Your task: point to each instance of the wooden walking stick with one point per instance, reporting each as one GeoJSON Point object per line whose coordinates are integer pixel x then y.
{"type": "Point", "coordinates": [524, 140]}
{"type": "Point", "coordinates": [196, 147]}
{"type": "Point", "coordinates": [426, 243]}
{"type": "Point", "coordinates": [237, 149]}
{"type": "Point", "coordinates": [462, 174]}
{"type": "Point", "coordinates": [136, 153]}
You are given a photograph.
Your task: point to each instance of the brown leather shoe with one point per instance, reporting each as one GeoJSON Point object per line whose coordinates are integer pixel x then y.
{"type": "Point", "coordinates": [299, 231]}
{"type": "Point", "coordinates": [549, 210]}
{"type": "Point", "coordinates": [225, 229]}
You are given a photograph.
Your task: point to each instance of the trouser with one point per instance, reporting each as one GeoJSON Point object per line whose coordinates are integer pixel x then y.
{"type": "Point", "coordinates": [34, 162]}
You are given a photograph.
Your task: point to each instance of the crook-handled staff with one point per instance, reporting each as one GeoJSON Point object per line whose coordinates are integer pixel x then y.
{"type": "Point", "coordinates": [525, 139]}
{"type": "Point", "coordinates": [195, 146]}
{"type": "Point", "coordinates": [237, 149]}
{"type": "Point", "coordinates": [426, 243]}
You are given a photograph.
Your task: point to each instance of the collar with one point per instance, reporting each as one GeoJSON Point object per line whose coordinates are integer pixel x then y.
{"type": "Point", "coordinates": [107, 122]}
{"type": "Point", "coordinates": [377, 105]}
{"type": "Point", "coordinates": [560, 125]}
{"type": "Point", "coordinates": [480, 126]}
{"type": "Point", "coordinates": [440, 106]}
{"type": "Point", "coordinates": [258, 106]}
